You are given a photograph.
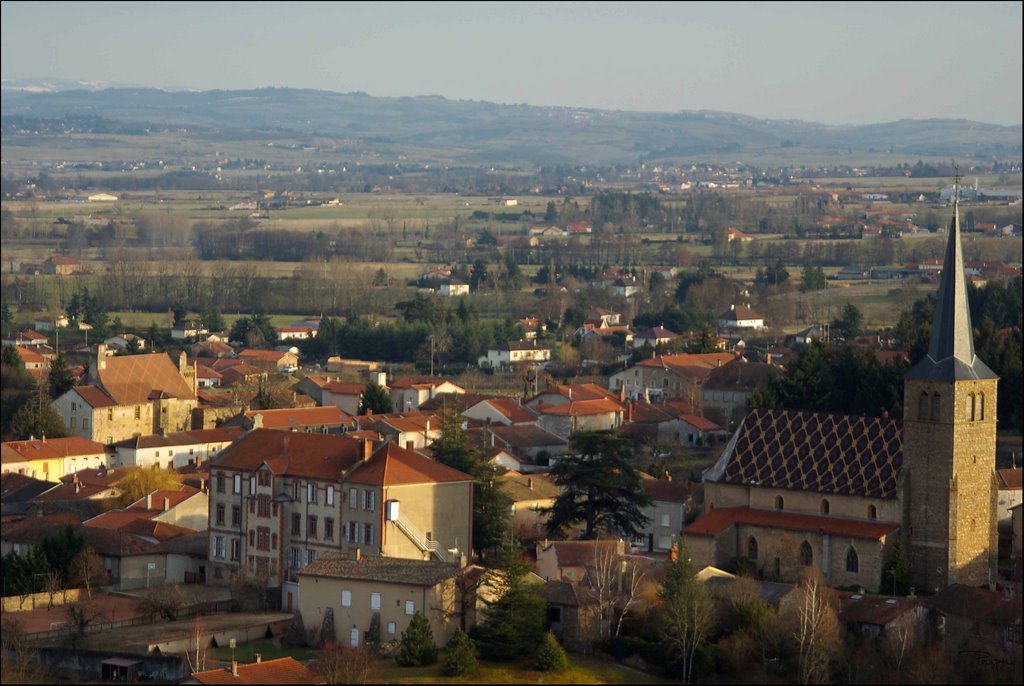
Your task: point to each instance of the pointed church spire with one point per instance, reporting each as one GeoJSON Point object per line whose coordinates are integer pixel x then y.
{"type": "Point", "coordinates": [951, 353]}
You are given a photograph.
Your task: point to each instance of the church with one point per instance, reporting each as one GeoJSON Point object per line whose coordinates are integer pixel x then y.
{"type": "Point", "coordinates": [800, 488]}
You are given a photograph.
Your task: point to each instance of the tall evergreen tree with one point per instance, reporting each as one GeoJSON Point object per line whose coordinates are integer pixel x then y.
{"type": "Point", "coordinates": [60, 378]}
{"type": "Point", "coordinates": [599, 487]}
{"type": "Point", "coordinates": [375, 399]}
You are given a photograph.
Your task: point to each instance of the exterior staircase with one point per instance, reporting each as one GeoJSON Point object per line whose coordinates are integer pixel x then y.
{"type": "Point", "coordinates": [420, 539]}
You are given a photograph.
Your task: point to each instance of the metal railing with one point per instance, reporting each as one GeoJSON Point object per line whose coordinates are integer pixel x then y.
{"type": "Point", "coordinates": [420, 539]}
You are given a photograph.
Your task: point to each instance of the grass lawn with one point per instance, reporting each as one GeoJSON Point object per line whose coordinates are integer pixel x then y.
{"type": "Point", "coordinates": [583, 669]}
{"type": "Point", "coordinates": [245, 652]}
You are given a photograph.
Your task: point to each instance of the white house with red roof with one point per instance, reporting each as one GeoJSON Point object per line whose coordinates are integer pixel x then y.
{"type": "Point", "coordinates": [408, 394]}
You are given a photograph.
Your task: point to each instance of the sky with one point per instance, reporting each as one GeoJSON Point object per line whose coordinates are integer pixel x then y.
{"type": "Point", "coordinates": [834, 63]}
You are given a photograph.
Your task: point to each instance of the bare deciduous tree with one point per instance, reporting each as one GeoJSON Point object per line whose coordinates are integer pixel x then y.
{"type": "Point", "coordinates": [342, 664]}
{"type": "Point", "coordinates": [87, 570]}
{"type": "Point", "coordinates": [813, 624]}
{"type": "Point", "coordinates": [198, 644]}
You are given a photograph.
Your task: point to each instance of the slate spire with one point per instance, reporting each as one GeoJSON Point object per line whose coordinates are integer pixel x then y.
{"type": "Point", "coordinates": [951, 353]}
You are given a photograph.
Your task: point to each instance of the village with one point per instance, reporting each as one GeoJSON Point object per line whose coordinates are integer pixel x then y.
{"type": "Point", "coordinates": [236, 492]}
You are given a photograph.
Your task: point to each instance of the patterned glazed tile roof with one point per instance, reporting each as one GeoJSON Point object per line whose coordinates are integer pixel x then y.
{"type": "Point", "coordinates": [812, 451]}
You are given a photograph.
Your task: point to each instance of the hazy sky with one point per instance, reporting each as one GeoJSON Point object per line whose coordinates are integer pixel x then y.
{"type": "Point", "coordinates": [836, 63]}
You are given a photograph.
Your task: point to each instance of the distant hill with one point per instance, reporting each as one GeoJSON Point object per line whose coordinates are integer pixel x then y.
{"type": "Point", "coordinates": [475, 131]}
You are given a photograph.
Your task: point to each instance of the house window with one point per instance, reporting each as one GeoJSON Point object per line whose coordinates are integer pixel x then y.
{"type": "Point", "coordinates": [872, 512]}
{"type": "Point", "coordinates": [330, 495]}
{"type": "Point", "coordinates": [368, 501]}
{"type": "Point", "coordinates": [219, 546]}
{"type": "Point", "coordinates": [554, 614]}
{"type": "Point", "coordinates": [220, 482]}
{"type": "Point", "coordinates": [74, 422]}
{"type": "Point", "coordinates": [824, 506]}
{"type": "Point", "coordinates": [264, 478]}
{"type": "Point", "coordinates": [273, 541]}
{"type": "Point", "coordinates": [236, 549]}
{"type": "Point", "coordinates": [665, 520]}
{"type": "Point", "coordinates": [392, 628]}
{"type": "Point", "coordinates": [368, 533]}
{"type": "Point", "coordinates": [252, 538]}
{"type": "Point", "coordinates": [779, 502]}
{"type": "Point", "coordinates": [806, 554]}
{"type": "Point", "coordinates": [328, 529]}
{"type": "Point", "coordinates": [236, 516]}
{"type": "Point", "coordinates": [410, 607]}
{"type": "Point", "coordinates": [375, 601]}
{"type": "Point", "coordinates": [346, 598]}
{"type": "Point", "coordinates": [311, 492]}
{"type": "Point", "coordinates": [311, 556]}
{"type": "Point", "coordinates": [936, 406]}
{"type": "Point", "coordinates": [353, 498]}
{"type": "Point", "coordinates": [295, 492]}
{"type": "Point", "coordinates": [237, 485]}
{"type": "Point", "coordinates": [705, 395]}
{"type": "Point", "coordinates": [85, 422]}
{"type": "Point", "coordinates": [752, 549]}
{"type": "Point", "coordinates": [852, 562]}
{"type": "Point", "coordinates": [296, 524]}
{"type": "Point", "coordinates": [311, 529]}
{"type": "Point", "coordinates": [220, 515]}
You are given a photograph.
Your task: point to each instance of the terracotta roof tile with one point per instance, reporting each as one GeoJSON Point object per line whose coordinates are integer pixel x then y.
{"type": "Point", "coordinates": [667, 491]}
{"type": "Point", "coordinates": [284, 670]}
{"type": "Point", "coordinates": [581, 407]}
{"type": "Point", "coordinates": [526, 436]}
{"type": "Point", "coordinates": [130, 379]}
{"type": "Point", "coordinates": [295, 418]}
{"type": "Point", "coordinates": [95, 396]}
{"type": "Point", "coordinates": [872, 609]}
{"type": "Point", "coordinates": [819, 452]}
{"type": "Point", "coordinates": [721, 518]}
{"type": "Point", "coordinates": [391, 465]}
{"type": "Point", "coordinates": [522, 487]}
{"type": "Point", "coordinates": [263, 355]}
{"type": "Point", "coordinates": [1010, 479]}
{"type": "Point", "coordinates": [51, 448]}
{"type": "Point", "coordinates": [378, 568]}
{"type": "Point", "coordinates": [318, 456]}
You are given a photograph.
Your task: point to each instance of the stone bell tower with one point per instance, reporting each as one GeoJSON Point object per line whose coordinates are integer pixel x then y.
{"type": "Point", "coordinates": [949, 445]}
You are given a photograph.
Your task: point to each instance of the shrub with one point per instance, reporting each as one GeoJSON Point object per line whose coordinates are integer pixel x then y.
{"type": "Point", "coordinates": [551, 656]}
{"type": "Point", "coordinates": [417, 646]}
{"type": "Point", "coordinates": [460, 655]}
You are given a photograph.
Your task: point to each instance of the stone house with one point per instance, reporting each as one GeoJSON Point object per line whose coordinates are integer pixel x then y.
{"type": "Point", "coordinates": [363, 591]}
{"type": "Point", "coordinates": [125, 396]}
{"type": "Point", "coordinates": [51, 459]}
{"type": "Point", "coordinates": [668, 376]}
{"type": "Point", "coordinates": [581, 415]}
{"type": "Point", "coordinates": [531, 494]}
{"type": "Point", "coordinates": [408, 394]}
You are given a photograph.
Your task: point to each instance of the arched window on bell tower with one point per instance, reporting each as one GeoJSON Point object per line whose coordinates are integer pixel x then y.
{"type": "Point", "coordinates": [936, 406]}
{"type": "Point", "coordinates": [922, 406]}
{"type": "Point", "coordinates": [970, 406]}
{"type": "Point", "coordinates": [981, 407]}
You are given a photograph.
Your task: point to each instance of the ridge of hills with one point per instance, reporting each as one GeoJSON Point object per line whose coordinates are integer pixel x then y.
{"type": "Point", "coordinates": [485, 132]}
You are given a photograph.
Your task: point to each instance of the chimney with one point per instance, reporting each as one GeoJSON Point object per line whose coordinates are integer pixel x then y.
{"type": "Point", "coordinates": [167, 504]}
{"type": "Point", "coordinates": [767, 358]}
{"type": "Point", "coordinates": [43, 438]}
{"type": "Point", "coordinates": [259, 658]}
{"type": "Point", "coordinates": [78, 486]}
{"type": "Point", "coordinates": [570, 392]}
{"type": "Point", "coordinates": [529, 483]}
{"type": "Point", "coordinates": [101, 356]}
{"type": "Point", "coordinates": [149, 500]}
{"type": "Point", "coordinates": [367, 446]}
{"type": "Point", "coordinates": [74, 478]}
{"type": "Point", "coordinates": [234, 668]}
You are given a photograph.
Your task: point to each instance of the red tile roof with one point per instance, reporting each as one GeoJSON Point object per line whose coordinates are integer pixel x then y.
{"type": "Point", "coordinates": [156, 499]}
{"type": "Point", "coordinates": [344, 387]}
{"type": "Point", "coordinates": [318, 456]}
{"type": "Point", "coordinates": [1009, 479]}
{"type": "Point", "coordinates": [52, 448]}
{"type": "Point", "coordinates": [719, 519]}
{"type": "Point", "coordinates": [700, 423]}
{"type": "Point", "coordinates": [94, 396]}
{"type": "Point", "coordinates": [284, 670]}
{"type": "Point", "coordinates": [392, 465]}
{"type": "Point", "coordinates": [581, 407]}
{"type": "Point", "coordinates": [295, 418]}
{"type": "Point", "coordinates": [872, 609]}
{"type": "Point", "coordinates": [513, 411]}
{"type": "Point", "coordinates": [131, 379]}
{"type": "Point", "coordinates": [263, 355]}
{"type": "Point", "coordinates": [29, 356]}
{"type": "Point", "coordinates": [667, 491]}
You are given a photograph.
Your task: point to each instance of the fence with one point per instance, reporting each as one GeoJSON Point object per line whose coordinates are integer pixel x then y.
{"type": "Point", "coordinates": [198, 609]}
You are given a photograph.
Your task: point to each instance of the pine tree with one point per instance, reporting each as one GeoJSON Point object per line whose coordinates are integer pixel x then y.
{"type": "Point", "coordinates": [551, 656]}
{"type": "Point", "coordinates": [460, 655]}
{"type": "Point", "coordinates": [417, 647]}
{"type": "Point", "coordinates": [375, 399]}
{"type": "Point", "coordinates": [60, 379]}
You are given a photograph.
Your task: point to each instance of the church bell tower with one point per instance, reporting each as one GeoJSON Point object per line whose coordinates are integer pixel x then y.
{"type": "Point", "coordinates": [949, 444]}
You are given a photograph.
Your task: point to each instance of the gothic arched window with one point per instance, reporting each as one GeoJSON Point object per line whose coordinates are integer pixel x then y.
{"type": "Point", "coordinates": [922, 406]}
{"type": "Point", "coordinates": [936, 406]}
{"type": "Point", "coordinates": [824, 506]}
{"type": "Point", "coordinates": [981, 407]}
{"type": "Point", "coordinates": [872, 512]}
{"type": "Point", "coordinates": [778, 502]}
{"type": "Point", "coordinates": [970, 407]}
{"type": "Point", "coordinates": [852, 561]}
{"type": "Point", "coordinates": [752, 549]}
{"type": "Point", "coordinates": [806, 554]}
